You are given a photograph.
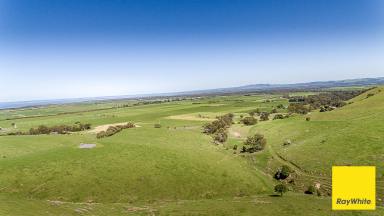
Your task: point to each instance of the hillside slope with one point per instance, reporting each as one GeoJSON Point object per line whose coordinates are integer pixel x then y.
{"type": "Point", "coordinates": [351, 135]}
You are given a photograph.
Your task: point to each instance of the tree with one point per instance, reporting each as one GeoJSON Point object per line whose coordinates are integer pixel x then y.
{"type": "Point", "coordinates": [249, 120]}
{"type": "Point", "coordinates": [254, 143]}
{"type": "Point", "coordinates": [281, 188]}
{"type": "Point", "coordinates": [264, 116]}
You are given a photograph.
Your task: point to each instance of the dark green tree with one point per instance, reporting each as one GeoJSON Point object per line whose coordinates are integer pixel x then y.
{"type": "Point", "coordinates": [281, 189]}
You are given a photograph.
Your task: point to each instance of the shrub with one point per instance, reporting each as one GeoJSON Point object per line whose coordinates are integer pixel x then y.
{"type": "Point", "coordinates": [264, 116]}
{"type": "Point", "coordinates": [16, 133]}
{"type": "Point", "coordinates": [283, 173]}
{"type": "Point", "coordinates": [370, 95]}
{"type": "Point", "coordinates": [280, 106]}
{"type": "Point", "coordinates": [281, 189]}
{"type": "Point", "coordinates": [227, 118]}
{"type": "Point", "coordinates": [252, 113]}
{"type": "Point", "coordinates": [100, 135]}
{"type": "Point", "coordinates": [287, 142]}
{"type": "Point", "coordinates": [274, 111]}
{"type": "Point", "coordinates": [278, 116]}
{"type": "Point", "coordinates": [254, 143]}
{"type": "Point", "coordinates": [221, 136]}
{"type": "Point", "coordinates": [326, 108]}
{"type": "Point", "coordinates": [311, 190]}
{"type": "Point", "coordinates": [112, 130]}
{"type": "Point", "coordinates": [249, 120]}
{"type": "Point", "coordinates": [42, 129]}
{"type": "Point", "coordinates": [157, 125]}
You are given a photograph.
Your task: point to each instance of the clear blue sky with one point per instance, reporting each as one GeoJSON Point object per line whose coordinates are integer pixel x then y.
{"type": "Point", "coordinates": [80, 48]}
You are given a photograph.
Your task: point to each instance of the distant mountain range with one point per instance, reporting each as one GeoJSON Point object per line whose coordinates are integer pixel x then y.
{"type": "Point", "coordinates": [246, 88]}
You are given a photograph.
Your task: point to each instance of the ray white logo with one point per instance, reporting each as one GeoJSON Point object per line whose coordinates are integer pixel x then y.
{"type": "Point", "coordinates": [353, 188]}
{"type": "Point", "coordinates": [353, 201]}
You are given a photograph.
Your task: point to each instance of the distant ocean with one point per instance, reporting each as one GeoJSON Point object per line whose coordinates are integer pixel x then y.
{"type": "Point", "coordinates": [35, 103]}
{"type": "Point", "coordinates": [21, 104]}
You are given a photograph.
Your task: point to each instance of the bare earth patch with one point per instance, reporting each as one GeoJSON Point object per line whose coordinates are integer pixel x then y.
{"type": "Point", "coordinates": [100, 128]}
{"type": "Point", "coordinates": [235, 134]}
{"type": "Point", "coordinates": [192, 117]}
{"type": "Point", "coordinates": [87, 146]}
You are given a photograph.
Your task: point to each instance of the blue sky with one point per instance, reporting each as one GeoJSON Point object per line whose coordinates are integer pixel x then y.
{"type": "Point", "coordinates": [82, 48]}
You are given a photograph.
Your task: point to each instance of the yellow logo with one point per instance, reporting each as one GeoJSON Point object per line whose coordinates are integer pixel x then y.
{"type": "Point", "coordinates": [353, 188]}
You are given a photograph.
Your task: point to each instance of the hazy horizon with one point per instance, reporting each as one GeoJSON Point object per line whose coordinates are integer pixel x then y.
{"type": "Point", "coordinates": [75, 49]}
{"type": "Point", "coordinates": [107, 97]}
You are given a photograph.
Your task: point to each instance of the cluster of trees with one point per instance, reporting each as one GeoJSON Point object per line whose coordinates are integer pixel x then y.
{"type": "Point", "coordinates": [60, 129]}
{"type": "Point", "coordinates": [264, 116]}
{"type": "Point", "coordinates": [299, 108]}
{"type": "Point", "coordinates": [112, 130]}
{"type": "Point", "coordinates": [219, 128]}
{"type": "Point", "coordinates": [326, 101]}
{"type": "Point", "coordinates": [254, 143]}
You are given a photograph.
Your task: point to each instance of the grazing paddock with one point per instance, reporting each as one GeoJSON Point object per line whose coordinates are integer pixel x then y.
{"type": "Point", "coordinates": [176, 168]}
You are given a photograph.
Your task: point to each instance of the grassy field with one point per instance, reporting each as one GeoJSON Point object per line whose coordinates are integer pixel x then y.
{"type": "Point", "coordinates": [176, 169]}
